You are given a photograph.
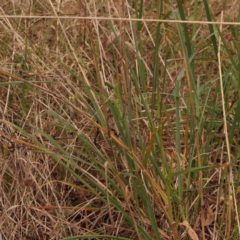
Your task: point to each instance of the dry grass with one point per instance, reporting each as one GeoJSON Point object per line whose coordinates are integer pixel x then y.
{"type": "Point", "coordinates": [62, 165]}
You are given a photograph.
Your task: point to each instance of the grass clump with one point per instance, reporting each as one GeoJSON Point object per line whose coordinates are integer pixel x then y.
{"type": "Point", "coordinates": [115, 129]}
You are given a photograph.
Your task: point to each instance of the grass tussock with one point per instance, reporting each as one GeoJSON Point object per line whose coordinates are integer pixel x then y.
{"type": "Point", "coordinates": [114, 129]}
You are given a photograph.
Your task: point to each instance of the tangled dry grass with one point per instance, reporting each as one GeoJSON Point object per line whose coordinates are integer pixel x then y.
{"type": "Point", "coordinates": [51, 185]}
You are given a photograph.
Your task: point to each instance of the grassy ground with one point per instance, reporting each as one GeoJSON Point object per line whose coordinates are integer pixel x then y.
{"type": "Point", "coordinates": [114, 129]}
